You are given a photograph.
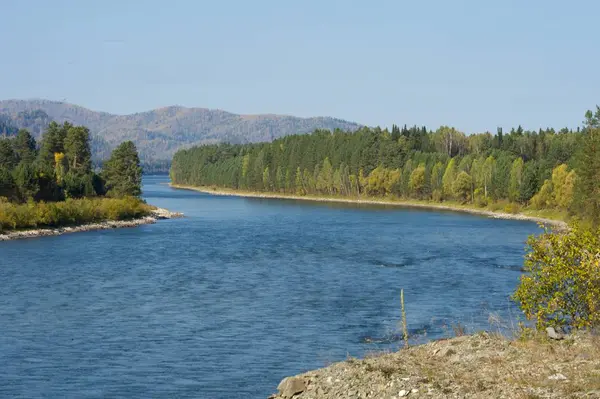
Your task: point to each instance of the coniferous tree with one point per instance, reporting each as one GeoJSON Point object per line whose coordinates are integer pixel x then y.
{"type": "Point", "coordinates": [122, 172]}
{"type": "Point", "coordinates": [53, 142]}
{"type": "Point", "coordinates": [24, 146]}
{"type": "Point", "coordinates": [8, 158]}
{"type": "Point", "coordinates": [588, 182]}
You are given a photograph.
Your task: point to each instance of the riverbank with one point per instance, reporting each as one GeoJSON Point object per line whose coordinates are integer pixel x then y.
{"type": "Point", "coordinates": [560, 224]}
{"type": "Point", "coordinates": [155, 215]}
{"type": "Point", "coordinates": [476, 366]}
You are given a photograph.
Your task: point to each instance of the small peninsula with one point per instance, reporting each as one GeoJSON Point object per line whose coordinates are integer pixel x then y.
{"type": "Point", "coordinates": [52, 188]}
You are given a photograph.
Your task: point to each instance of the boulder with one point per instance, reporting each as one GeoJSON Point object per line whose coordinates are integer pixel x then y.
{"type": "Point", "coordinates": [290, 386]}
{"type": "Point", "coordinates": [446, 352]}
{"type": "Point", "coordinates": [552, 334]}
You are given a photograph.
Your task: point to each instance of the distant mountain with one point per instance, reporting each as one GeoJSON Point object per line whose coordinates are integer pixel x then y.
{"type": "Point", "coordinates": [160, 132]}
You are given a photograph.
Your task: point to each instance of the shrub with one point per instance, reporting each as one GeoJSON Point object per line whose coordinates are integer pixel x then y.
{"type": "Point", "coordinates": [512, 208]}
{"type": "Point", "coordinates": [480, 199]}
{"type": "Point", "coordinates": [72, 211]}
{"type": "Point", "coordinates": [562, 284]}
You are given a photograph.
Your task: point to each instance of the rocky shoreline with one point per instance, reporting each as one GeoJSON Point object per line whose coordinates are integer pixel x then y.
{"type": "Point", "coordinates": [157, 214]}
{"type": "Point", "coordinates": [496, 215]}
{"type": "Point", "coordinates": [477, 366]}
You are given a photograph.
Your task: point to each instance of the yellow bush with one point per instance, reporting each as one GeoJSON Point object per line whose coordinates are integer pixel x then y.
{"type": "Point", "coordinates": [512, 208]}
{"type": "Point", "coordinates": [562, 283]}
{"type": "Point", "coordinates": [71, 211]}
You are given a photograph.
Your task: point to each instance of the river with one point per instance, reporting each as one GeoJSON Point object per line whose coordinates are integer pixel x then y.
{"type": "Point", "coordinates": [241, 293]}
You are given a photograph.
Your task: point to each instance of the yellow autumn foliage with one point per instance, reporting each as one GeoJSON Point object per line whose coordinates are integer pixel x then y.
{"type": "Point", "coordinates": [70, 212]}
{"type": "Point", "coordinates": [561, 286]}
{"type": "Point", "coordinates": [58, 157]}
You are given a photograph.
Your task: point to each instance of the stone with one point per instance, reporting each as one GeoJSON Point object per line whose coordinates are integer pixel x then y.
{"type": "Point", "coordinates": [444, 352]}
{"type": "Point", "coordinates": [557, 377]}
{"type": "Point", "coordinates": [552, 334]}
{"type": "Point", "coordinates": [290, 386]}
{"type": "Point", "coordinates": [403, 393]}
{"type": "Point", "coordinates": [414, 390]}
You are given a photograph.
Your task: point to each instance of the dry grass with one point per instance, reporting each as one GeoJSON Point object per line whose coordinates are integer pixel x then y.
{"type": "Point", "coordinates": [472, 366]}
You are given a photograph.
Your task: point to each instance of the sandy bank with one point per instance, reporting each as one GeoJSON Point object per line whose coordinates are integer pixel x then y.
{"type": "Point", "coordinates": [496, 215]}
{"type": "Point", "coordinates": [157, 214]}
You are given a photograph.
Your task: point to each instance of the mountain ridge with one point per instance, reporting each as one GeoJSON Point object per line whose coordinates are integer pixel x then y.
{"type": "Point", "coordinates": [159, 132]}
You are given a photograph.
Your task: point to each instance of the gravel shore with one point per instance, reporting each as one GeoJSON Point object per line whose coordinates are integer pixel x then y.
{"type": "Point", "coordinates": [496, 215]}
{"type": "Point", "coordinates": [157, 214]}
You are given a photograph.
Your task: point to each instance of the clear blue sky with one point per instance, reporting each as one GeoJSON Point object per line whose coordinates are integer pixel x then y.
{"type": "Point", "coordinates": [471, 64]}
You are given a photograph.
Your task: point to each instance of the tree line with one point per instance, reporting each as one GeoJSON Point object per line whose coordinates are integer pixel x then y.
{"type": "Point", "coordinates": [60, 167]}
{"type": "Point", "coordinates": [544, 169]}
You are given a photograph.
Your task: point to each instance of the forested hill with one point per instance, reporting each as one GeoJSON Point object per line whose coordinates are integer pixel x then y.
{"type": "Point", "coordinates": [160, 132]}
{"type": "Point", "coordinates": [507, 171]}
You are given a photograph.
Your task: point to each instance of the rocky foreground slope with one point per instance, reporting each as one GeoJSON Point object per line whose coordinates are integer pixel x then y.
{"type": "Point", "coordinates": [477, 366]}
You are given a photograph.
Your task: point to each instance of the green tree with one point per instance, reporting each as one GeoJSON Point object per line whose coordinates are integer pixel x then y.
{"type": "Point", "coordinates": [448, 179]}
{"type": "Point", "coordinates": [122, 172]}
{"type": "Point", "coordinates": [337, 181]}
{"type": "Point", "coordinates": [309, 182]}
{"type": "Point", "coordinates": [436, 181]}
{"type": "Point", "coordinates": [53, 142]}
{"type": "Point", "coordinates": [26, 181]}
{"type": "Point", "coordinates": [393, 181]}
{"type": "Point", "coordinates": [266, 178]}
{"type": "Point", "coordinates": [563, 186]}
{"type": "Point", "coordinates": [7, 185]}
{"type": "Point", "coordinates": [529, 182]}
{"type": "Point", "coordinates": [77, 150]}
{"type": "Point", "coordinates": [280, 179]}
{"type": "Point", "coordinates": [516, 179]}
{"type": "Point", "coordinates": [8, 158]}
{"type": "Point", "coordinates": [288, 181]}
{"type": "Point", "coordinates": [376, 182]}
{"type": "Point", "coordinates": [544, 199]}
{"type": "Point", "coordinates": [588, 186]}
{"type": "Point", "coordinates": [245, 170]}
{"type": "Point", "coordinates": [77, 185]}
{"type": "Point", "coordinates": [299, 184]}
{"type": "Point", "coordinates": [325, 177]}
{"type": "Point", "coordinates": [405, 181]}
{"type": "Point", "coordinates": [462, 186]}
{"type": "Point", "coordinates": [24, 146]}
{"type": "Point", "coordinates": [417, 183]}
{"type": "Point", "coordinates": [477, 173]}
{"type": "Point", "coordinates": [489, 168]}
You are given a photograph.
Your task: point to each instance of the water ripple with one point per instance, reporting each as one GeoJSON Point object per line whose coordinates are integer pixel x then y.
{"type": "Point", "coordinates": [239, 294]}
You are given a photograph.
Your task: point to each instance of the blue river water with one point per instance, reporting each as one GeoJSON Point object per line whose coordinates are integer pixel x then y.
{"type": "Point", "coordinates": [240, 293]}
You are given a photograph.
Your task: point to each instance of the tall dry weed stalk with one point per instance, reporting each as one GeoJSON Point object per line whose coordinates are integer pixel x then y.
{"type": "Point", "coordinates": [404, 326]}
